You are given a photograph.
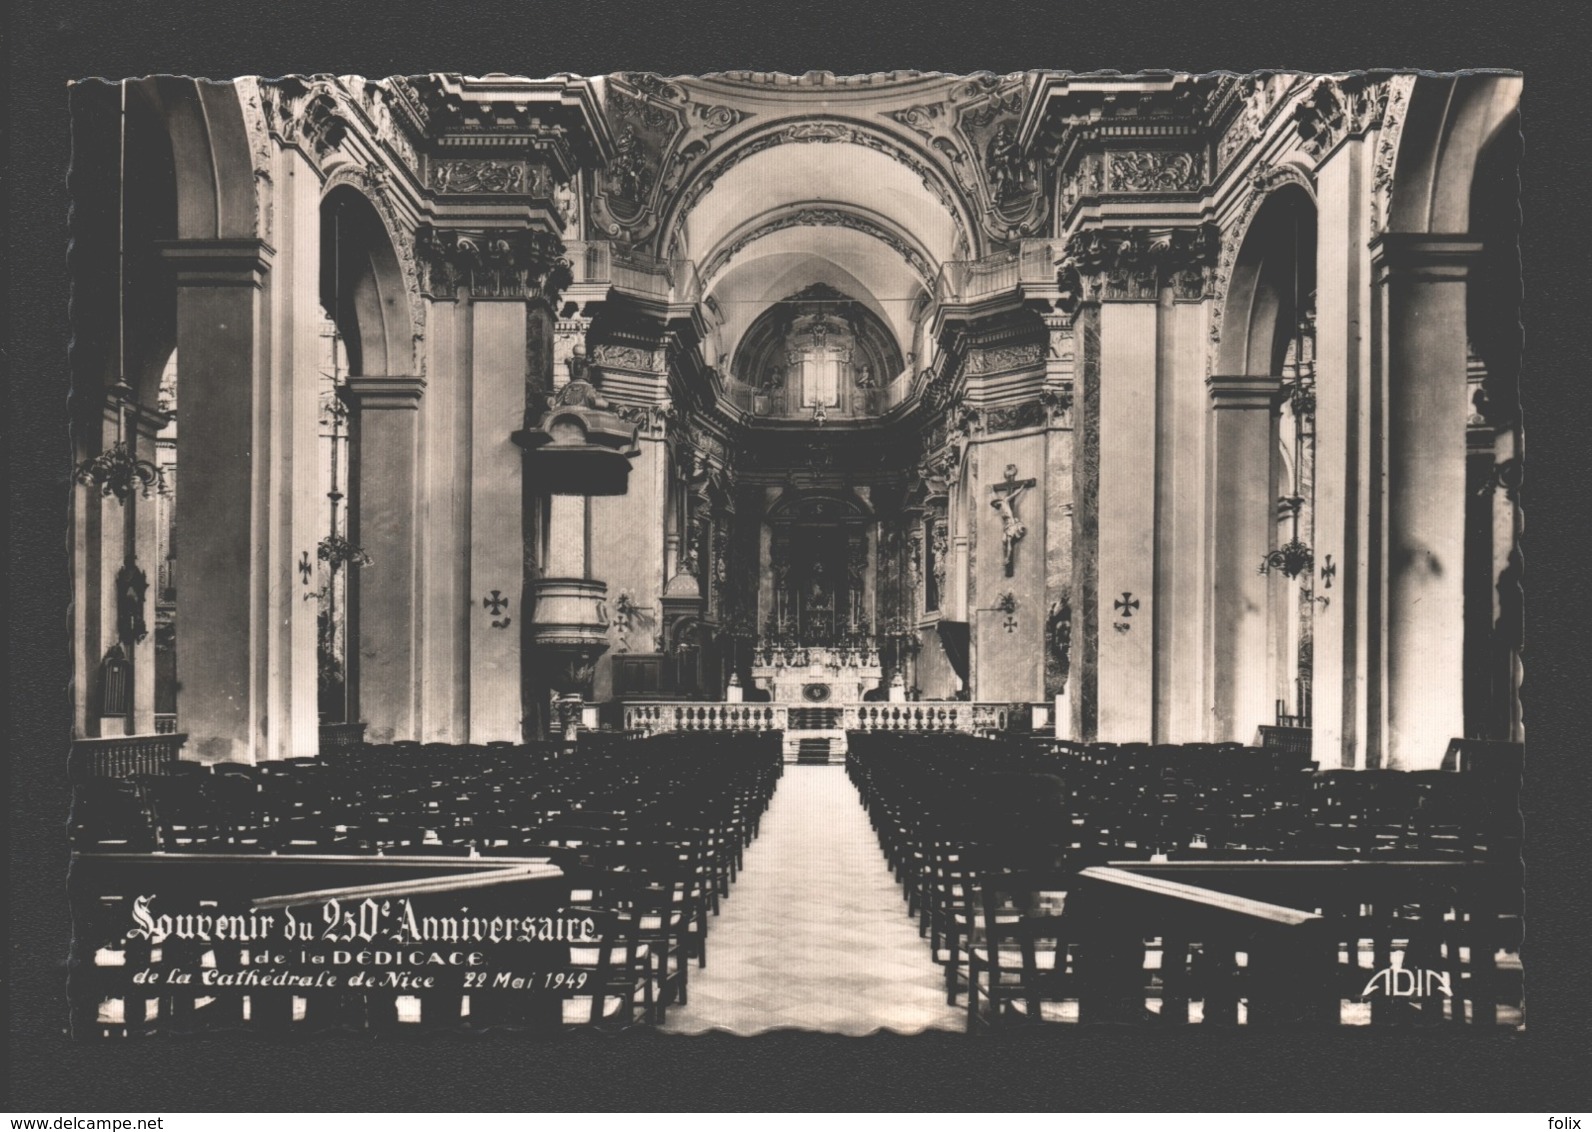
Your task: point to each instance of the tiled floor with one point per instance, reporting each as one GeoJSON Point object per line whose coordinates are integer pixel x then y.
{"type": "Point", "coordinates": [815, 934]}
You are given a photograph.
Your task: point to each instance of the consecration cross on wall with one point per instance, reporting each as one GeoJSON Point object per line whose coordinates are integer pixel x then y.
{"type": "Point", "coordinates": [1006, 494]}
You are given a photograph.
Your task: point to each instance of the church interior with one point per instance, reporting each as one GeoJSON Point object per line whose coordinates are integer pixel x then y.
{"type": "Point", "coordinates": [980, 550]}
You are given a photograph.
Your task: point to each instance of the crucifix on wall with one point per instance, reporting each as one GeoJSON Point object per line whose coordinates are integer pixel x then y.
{"type": "Point", "coordinates": [1006, 495]}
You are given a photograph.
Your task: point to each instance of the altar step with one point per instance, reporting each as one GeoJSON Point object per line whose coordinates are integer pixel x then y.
{"type": "Point", "coordinates": [814, 748]}
{"type": "Point", "coordinates": [813, 751]}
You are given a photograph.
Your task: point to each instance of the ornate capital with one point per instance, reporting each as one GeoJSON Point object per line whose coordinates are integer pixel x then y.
{"type": "Point", "coordinates": [1135, 263]}
{"type": "Point", "coordinates": [492, 263]}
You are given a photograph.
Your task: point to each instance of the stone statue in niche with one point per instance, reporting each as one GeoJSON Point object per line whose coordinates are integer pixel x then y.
{"type": "Point", "coordinates": [865, 377]}
{"type": "Point", "coordinates": [568, 207]}
{"type": "Point", "coordinates": [628, 171]}
{"type": "Point", "coordinates": [1004, 164]}
{"type": "Point", "coordinates": [1005, 503]}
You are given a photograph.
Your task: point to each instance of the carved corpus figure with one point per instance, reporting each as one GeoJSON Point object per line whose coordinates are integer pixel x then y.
{"type": "Point", "coordinates": [1005, 503]}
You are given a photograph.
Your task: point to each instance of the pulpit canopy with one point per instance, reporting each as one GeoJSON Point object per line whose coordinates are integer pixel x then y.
{"type": "Point", "coordinates": [580, 446]}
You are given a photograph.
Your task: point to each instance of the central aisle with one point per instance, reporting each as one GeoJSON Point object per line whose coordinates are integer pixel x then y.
{"type": "Point", "coordinates": [815, 934]}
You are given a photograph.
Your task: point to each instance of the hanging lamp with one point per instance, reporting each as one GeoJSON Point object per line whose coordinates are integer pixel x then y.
{"type": "Point", "coordinates": [117, 471]}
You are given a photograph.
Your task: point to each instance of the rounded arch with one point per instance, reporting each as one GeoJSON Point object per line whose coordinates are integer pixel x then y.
{"type": "Point", "coordinates": [363, 285]}
{"type": "Point", "coordinates": [824, 214]}
{"type": "Point", "coordinates": [1272, 278]}
{"type": "Point", "coordinates": [151, 209]}
{"type": "Point", "coordinates": [824, 131]}
{"type": "Point", "coordinates": [818, 505]}
{"type": "Point", "coordinates": [213, 159]}
{"type": "Point", "coordinates": [1449, 125]}
{"type": "Point", "coordinates": [1493, 292]}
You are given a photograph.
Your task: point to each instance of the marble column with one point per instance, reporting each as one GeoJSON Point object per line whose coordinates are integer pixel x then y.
{"type": "Point", "coordinates": [383, 484]}
{"type": "Point", "coordinates": [1421, 284]}
{"type": "Point", "coordinates": [222, 570]}
{"type": "Point", "coordinates": [1243, 508]}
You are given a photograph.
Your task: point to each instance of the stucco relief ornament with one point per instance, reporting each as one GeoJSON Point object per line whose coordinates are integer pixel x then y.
{"type": "Point", "coordinates": [1387, 149]}
{"type": "Point", "coordinates": [1000, 359]}
{"type": "Point", "coordinates": [260, 152]}
{"type": "Point", "coordinates": [481, 177]}
{"type": "Point", "coordinates": [622, 356]}
{"type": "Point", "coordinates": [1152, 171]}
{"type": "Point", "coordinates": [305, 114]}
{"type": "Point", "coordinates": [1339, 108]}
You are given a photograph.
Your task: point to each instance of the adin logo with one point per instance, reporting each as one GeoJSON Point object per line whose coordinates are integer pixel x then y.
{"type": "Point", "coordinates": [1397, 982]}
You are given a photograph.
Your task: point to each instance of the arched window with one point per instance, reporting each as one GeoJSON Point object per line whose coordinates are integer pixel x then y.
{"type": "Point", "coordinates": [819, 353]}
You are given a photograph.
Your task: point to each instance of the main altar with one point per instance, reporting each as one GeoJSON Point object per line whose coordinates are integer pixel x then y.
{"type": "Point", "coordinates": [818, 674]}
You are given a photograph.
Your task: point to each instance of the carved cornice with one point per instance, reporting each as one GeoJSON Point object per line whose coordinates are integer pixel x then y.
{"type": "Point", "coordinates": [817, 80]}
{"type": "Point", "coordinates": [1135, 263]}
{"type": "Point", "coordinates": [1336, 109]}
{"type": "Point", "coordinates": [555, 122]}
{"type": "Point", "coordinates": [492, 263]}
